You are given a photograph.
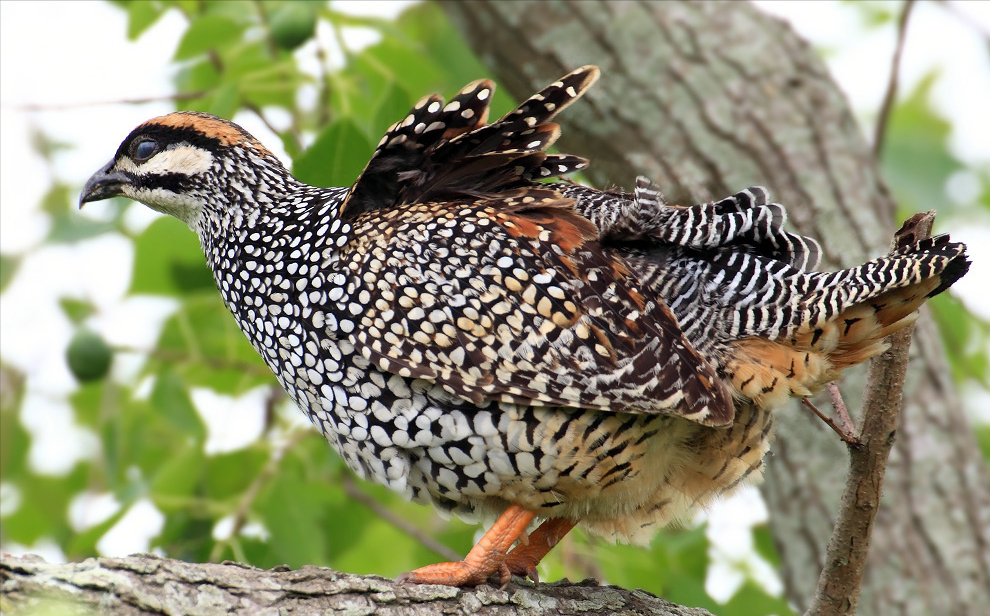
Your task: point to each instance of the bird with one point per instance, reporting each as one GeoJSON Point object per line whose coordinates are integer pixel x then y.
{"type": "Point", "coordinates": [476, 332]}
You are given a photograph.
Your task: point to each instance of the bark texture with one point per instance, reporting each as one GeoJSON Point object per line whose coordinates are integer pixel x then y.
{"type": "Point", "coordinates": [707, 98]}
{"type": "Point", "coordinates": [147, 584]}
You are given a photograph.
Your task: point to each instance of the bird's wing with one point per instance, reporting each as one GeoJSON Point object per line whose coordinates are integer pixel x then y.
{"type": "Point", "coordinates": [513, 299]}
{"type": "Point", "coordinates": [446, 150]}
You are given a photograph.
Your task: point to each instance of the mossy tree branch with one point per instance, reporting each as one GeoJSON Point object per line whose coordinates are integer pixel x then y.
{"type": "Point", "coordinates": [147, 585]}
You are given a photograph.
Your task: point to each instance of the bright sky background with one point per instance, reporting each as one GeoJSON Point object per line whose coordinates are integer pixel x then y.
{"type": "Point", "coordinates": [81, 57]}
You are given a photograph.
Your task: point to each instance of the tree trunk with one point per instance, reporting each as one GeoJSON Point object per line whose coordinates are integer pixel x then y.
{"type": "Point", "coordinates": [708, 98]}
{"type": "Point", "coordinates": [147, 584]}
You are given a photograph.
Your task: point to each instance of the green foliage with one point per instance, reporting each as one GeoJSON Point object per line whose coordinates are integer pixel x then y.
{"type": "Point", "coordinates": [917, 165]}
{"type": "Point", "coordinates": [168, 261]}
{"type": "Point", "coordinates": [286, 495]}
{"type": "Point", "coordinates": [336, 157]}
{"type": "Point", "coordinates": [915, 159]}
{"type": "Point", "coordinates": [874, 13]}
{"type": "Point", "coordinates": [8, 267]}
{"type": "Point", "coordinates": [141, 15]}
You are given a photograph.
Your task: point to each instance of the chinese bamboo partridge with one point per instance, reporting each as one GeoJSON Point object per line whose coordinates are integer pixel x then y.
{"type": "Point", "coordinates": [474, 338]}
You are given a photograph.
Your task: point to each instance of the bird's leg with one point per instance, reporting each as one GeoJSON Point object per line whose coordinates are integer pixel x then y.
{"type": "Point", "coordinates": [484, 560]}
{"type": "Point", "coordinates": [522, 560]}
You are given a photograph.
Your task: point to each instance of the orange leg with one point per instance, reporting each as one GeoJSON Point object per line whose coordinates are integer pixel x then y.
{"type": "Point", "coordinates": [484, 560]}
{"type": "Point", "coordinates": [522, 560]}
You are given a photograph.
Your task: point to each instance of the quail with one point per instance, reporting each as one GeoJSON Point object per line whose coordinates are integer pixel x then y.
{"type": "Point", "coordinates": [476, 334]}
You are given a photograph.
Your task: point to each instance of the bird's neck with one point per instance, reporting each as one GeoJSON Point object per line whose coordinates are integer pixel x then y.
{"type": "Point", "coordinates": [262, 250]}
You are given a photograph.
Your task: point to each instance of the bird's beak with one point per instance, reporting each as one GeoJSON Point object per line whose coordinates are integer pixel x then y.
{"type": "Point", "coordinates": [103, 185]}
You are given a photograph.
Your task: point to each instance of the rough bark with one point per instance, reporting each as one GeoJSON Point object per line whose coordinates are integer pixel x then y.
{"type": "Point", "coordinates": [147, 584]}
{"type": "Point", "coordinates": [707, 98]}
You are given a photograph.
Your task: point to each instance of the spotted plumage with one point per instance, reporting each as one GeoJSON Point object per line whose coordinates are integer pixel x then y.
{"type": "Point", "coordinates": [477, 339]}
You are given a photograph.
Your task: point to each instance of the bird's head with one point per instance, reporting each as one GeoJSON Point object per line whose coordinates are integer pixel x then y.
{"type": "Point", "coordinates": [186, 163]}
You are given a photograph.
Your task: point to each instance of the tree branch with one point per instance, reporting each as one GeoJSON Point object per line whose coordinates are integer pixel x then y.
{"type": "Point", "coordinates": [840, 580]}
{"type": "Point", "coordinates": [181, 96]}
{"type": "Point", "coordinates": [145, 584]}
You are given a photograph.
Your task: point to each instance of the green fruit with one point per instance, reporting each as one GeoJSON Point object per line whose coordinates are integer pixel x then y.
{"type": "Point", "coordinates": [88, 356]}
{"type": "Point", "coordinates": [292, 24]}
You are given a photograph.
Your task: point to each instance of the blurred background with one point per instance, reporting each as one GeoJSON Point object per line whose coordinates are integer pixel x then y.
{"type": "Point", "coordinates": [168, 434]}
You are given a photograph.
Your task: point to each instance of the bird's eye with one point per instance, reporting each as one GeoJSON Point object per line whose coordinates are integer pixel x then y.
{"type": "Point", "coordinates": [144, 149]}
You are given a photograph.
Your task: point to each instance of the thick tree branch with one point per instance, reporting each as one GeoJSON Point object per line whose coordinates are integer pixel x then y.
{"type": "Point", "coordinates": [145, 584]}
{"type": "Point", "coordinates": [845, 560]}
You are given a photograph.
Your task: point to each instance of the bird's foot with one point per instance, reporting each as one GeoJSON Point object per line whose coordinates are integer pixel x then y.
{"type": "Point", "coordinates": [484, 561]}
{"type": "Point", "coordinates": [522, 560]}
{"type": "Point", "coordinates": [463, 573]}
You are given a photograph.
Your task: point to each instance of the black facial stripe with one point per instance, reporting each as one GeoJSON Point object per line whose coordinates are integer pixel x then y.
{"type": "Point", "coordinates": [173, 182]}
{"type": "Point", "coordinates": [166, 136]}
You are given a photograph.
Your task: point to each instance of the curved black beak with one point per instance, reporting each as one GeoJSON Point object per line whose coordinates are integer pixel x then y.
{"type": "Point", "coordinates": [103, 185]}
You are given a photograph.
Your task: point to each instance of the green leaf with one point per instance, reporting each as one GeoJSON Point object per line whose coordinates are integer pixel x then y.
{"type": "Point", "coordinates": [8, 267]}
{"type": "Point", "coordinates": [44, 506]}
{"type": "Point", "coordinates": [966, 338]}
{"type": "Point", "coordinates": [170, 398]}
{"type": "Point", "coordinates": [177, 480]}
{"type": "Point", "coordinates": [229, 475]}
{"type": "Point", "coordinates": [187, 536]}
{"type": "Point", "coordinates": [337, 156]}
{"type": "Point", "coordinates": [225, 100]}
{"type": "Point", "coordinates": [77, 310]}
{"type": "Point", "coordinates": [169, 261]}
{"type": "Point", "coordinates": [915, 158]}
{"type": "Point", "coordinates": [141, 15]}
{"type": "Point", "coordinates": [294, 514]}
{"type": "Point", "coordinates": [200, 76]}
{"type": "Point", "coordinates": [84, 543]}
{"type": "Point", "coordinates": [71, 229]}
{"type": "Point", "coordinates": [46, 145]}
{"type": "Point", "coordinates": [261, 80]}
{"type": "Point", "coordinates": [203, 343]}
{"type": "Point", "coordinates": [209, 32]}
{"type": "Point", "coordinates": [14, 439]}
{"type": "Point", "coordinates": [750, 599]}
{"type": "Point", "coordinates": [56, 200]}
{"type": "Point", "coordinates": [765, 547]}
{"type": "Point", "coordinates": [394, 105]}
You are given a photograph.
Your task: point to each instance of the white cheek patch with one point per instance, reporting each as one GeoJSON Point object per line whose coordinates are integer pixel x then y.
{"type": "Point", "coordinates": [182, 159]}
{"type": "Point", "coordinates": [185, 208]}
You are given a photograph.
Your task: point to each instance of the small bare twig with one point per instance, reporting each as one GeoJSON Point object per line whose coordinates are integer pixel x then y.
{"type": "Point", "coordinates": [180, 96]}
{"type": "Point", "coordinates": [891, 93]}
{"type": "Point", "coordinates": [368, 501]}
{"type": "Point", "coordinates": [846, 433]}
{"type": "Point", "coordinates": [839, 584]}
{"type": "Point", "coordinates": [217, 363]}
{"type": "Point", "coordinates": [840, 408]}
